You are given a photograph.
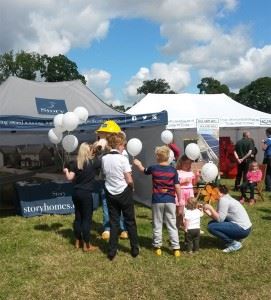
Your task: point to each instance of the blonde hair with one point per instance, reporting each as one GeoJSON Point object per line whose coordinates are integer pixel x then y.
{"type": "Point", "coordinates": [115, 140]}
{"type": "Point", "coordinates": [162, 154]}
{"type": "Point", "coordinates": [85, 153]}
{"type": "Point", "coordinates": [192, 203]}
{"type": "Point", "coordinates": [253, 163]}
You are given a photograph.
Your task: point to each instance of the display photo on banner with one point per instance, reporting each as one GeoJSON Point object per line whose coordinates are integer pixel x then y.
{"type": "Point", "coordinates": [208, 139]}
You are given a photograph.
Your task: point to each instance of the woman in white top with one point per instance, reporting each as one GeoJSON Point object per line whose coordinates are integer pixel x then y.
{"type": "Point", "coordinates": [230, 223]}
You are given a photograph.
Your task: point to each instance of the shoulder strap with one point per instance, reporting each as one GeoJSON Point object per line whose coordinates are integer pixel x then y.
{"type": "Point", "coordinates": [112, 152]}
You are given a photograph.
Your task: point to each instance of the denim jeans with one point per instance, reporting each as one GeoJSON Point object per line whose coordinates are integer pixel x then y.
{"type": "Point", "coordinates": [227, 231]}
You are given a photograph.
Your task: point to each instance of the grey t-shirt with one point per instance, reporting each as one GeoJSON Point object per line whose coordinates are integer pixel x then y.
{"type": "Point", "coordinates": [232, 210]}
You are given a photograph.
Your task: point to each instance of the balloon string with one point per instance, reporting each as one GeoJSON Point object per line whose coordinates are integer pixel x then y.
{"type": "Point", "coordinates": [60, 156]}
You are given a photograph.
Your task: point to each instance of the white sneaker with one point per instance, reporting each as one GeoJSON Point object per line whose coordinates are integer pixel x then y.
{"type": "Point", "coordinates": [234, 246]}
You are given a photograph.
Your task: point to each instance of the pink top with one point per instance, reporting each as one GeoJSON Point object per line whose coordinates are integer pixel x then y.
{"type": "Point", "coordinates": [186, 181]}
{"type": "Point", "coordinates": [254, 176]}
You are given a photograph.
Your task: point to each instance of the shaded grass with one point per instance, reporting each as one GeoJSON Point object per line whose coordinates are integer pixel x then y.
{"type": "Point", "coordinates": [38, 261]}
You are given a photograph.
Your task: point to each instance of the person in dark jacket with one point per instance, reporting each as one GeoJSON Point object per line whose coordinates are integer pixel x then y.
{"type": "Point", "coordinates": [82, 174]}
{"type": "Point", "coordinates": [242, 152]}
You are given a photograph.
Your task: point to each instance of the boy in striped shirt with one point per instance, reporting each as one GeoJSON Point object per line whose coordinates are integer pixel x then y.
{"type": "Point", "coordinates": [165, 185]}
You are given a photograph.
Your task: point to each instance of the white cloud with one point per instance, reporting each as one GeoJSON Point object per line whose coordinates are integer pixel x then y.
{"type": "Point", "coordinates": [223, 51]}
{"type": "Point", "coordinates": [177, 75]}
{"type": "Point", "coordinates": [98, 82]}
{"type": "Point", "coordinates": [192, 29]}
{"type": "Point", "coordinates": [55, 27]}
{"type": "Point", "coordinates": [50, 27]}
{"type": "Point", "coordinates": [256, 63]}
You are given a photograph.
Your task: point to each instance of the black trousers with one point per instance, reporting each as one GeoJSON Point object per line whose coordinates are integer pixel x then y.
{"type": "Point", "coordinates": [248, 185]}
{"type": "Point", "coordinates": [242, 170]}
{"type": "Point", "coordinates": [117, 204]}
{"type": "Point", "coordinates": [192, 237]}
{"type": "Point", "coordinates": [267, 160]}
{"type": "Point", "coordinates": [83, 209]}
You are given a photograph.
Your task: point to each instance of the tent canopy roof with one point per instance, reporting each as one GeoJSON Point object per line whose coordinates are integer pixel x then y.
{"type": "Point", "coordinates": [46, 99]}
{"type": "Point", "coordinates": [185, 109]}
{"type": "Point", "coordinates": [30, 105]}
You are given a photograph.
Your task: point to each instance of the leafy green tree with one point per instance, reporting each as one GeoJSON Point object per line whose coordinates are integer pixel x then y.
{"type": "Point", "coordinates": [60, 68]}
{"type": "Point", "coordinates": [31, 65]}
{"type": "Point", "coordinates": [27, 65]}
{"type": "Point", "coordinates": [7, 67]}
{"type": "Point", "coordinates": [21, 64]}
{"type": "Point", "coordinates": [155, 86]}
{"type": "Point", "coordinates": [118, 107]}
{"type": "Point", "coordinates": [209, 85]}
{"type": "Point", "coordinates": [257, 94]}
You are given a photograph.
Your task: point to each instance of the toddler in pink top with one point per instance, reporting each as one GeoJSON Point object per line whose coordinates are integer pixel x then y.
{"type": "Point", "coordinates": [254, 175]}
{"type": "Point", "coordinates": [187, 180]}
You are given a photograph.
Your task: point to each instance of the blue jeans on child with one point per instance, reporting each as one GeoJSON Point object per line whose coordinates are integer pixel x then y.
{"type": "Point", "coordinates": [227, 231]}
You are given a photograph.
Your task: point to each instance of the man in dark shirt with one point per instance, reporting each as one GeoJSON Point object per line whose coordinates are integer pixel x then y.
{"type": "Point", "coordinates": [242, 153]}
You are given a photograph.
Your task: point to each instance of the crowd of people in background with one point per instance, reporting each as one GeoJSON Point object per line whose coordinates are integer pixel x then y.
{"type": "Point", "coordinates": [103, 170]}
{"type": "Point", "coordinates": [249, 173]}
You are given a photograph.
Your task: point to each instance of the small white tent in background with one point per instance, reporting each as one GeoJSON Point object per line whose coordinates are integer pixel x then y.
{"type": "Point", "coordinates": [185, 109]}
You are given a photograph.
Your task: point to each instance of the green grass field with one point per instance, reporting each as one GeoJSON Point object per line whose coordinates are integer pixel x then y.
{"type": "Point", "coordinates": [38, 261]}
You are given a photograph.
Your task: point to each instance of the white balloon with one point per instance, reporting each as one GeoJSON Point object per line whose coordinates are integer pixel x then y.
{"type": "Point", "coordinates": [70, 143]}
{"type": "Point", "coordinates": [171, 156]}
{"type": "Point", "coordinates": [81, 113]}
{"type": "Point", "coordinates": [55, 136]}
{"type": "Point", "coordinates": [134, 146]}
{"type": "Point", "coordinates": [58, 119]}
{"type": "Point", "coordinates": [192, 151]}
{"type": "Point", "coordinates": [70, 121]}
{"type": "Point", "coordinates": [167, 137]}
{"type": "Point", "coordinates": [209, 172]}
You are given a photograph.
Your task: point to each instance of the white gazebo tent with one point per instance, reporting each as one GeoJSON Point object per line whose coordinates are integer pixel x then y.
{"type": "Point", "coordinates": [184, 110]}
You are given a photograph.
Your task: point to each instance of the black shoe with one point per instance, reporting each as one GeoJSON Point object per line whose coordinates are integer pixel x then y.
{"type": "Point", "coordinates": [111, 256]}
{"type": "Point", "coordinates": [135, 252]}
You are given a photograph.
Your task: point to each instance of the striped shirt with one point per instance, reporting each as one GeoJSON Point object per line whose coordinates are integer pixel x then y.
{"type": "Point", "coordinates": [164, 179]}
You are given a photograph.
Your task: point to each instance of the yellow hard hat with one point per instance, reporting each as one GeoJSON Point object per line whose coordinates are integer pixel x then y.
{"type": "Point", "coordinates": [109, 126]}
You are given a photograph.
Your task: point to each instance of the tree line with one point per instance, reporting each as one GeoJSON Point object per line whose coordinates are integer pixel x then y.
{"type": "Point", "coordinates": [33, 66]}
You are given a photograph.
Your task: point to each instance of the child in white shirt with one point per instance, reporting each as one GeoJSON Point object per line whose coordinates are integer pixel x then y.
{"type": "Point", "coordinates": [192, 215]}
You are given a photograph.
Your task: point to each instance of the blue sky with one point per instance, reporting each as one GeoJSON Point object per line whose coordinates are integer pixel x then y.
{"type": "Point", "coordinates": [129, 45]}
{"type": "Point", "coordinates": [118, 44]}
